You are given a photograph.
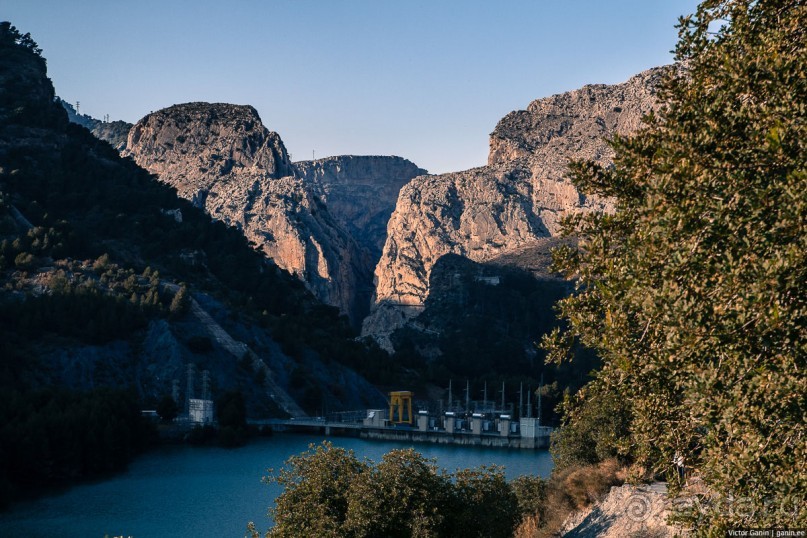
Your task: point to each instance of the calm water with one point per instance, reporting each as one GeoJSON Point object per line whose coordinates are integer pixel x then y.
{"type": "Point", "coordinates": [211, 492]}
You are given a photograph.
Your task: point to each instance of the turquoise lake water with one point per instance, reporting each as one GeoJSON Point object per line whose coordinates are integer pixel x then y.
{"type": "Point", "coordinates": [212, 492]}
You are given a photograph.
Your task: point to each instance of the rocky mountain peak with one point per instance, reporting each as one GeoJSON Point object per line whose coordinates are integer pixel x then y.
{"type": "Point", "coordinates": [359, 170]}
{"type": "Point", "coordinates": [592, 112]}
{"type": "Point", "coordinates": [194, 145]}
{"type": "Point", "coordinates": [222, 157]}
{"type": "Point", "coordinates": [510, 205]}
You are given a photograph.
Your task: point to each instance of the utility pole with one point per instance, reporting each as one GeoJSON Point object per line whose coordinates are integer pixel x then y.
{"type": "Point", "coordinates": [78, 105]}
{"type": "Point", "coordinates": [205, 384]}
{"type": "Point", "coordinates": [189, 395]}
{"type": "Point", "coordinates": [485, 396]}
{"type": "Point", "coordinates": [540, 390]}
{"type": "Point", "coordinates": [313, 155]}
{"type": "Point", "coordinates": [467, 395]}
{"type": "Point", "coordinates": [502, 396]}
{"type": "Point", "coordinates": [521, 400]}
{"type": "Point", "coordinates": [450, 396]}
{"type": "Point", "coordinates": [529, 402]}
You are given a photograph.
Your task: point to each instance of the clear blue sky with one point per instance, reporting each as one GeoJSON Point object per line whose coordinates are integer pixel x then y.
{"type": "Point", "coordinates": [423, 79]}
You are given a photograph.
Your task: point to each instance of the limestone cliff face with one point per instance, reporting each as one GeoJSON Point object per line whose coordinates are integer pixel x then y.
{"type": "Point", "coordinates": [574, 123]}
{"type": "Point", "coordinates": [198, 146]}
{"type": "Point", "coordinates": [360, 192]}
{"type": "Point", "coordinates": [509, 205]}
{"type": "Point", "coordinates": [221, 157]}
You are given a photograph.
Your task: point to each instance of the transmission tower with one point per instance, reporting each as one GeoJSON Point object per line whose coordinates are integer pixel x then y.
{"type": "Point", "coordinates": [191, 374]}
{"type": "Point", "coordinates": [205, 384]}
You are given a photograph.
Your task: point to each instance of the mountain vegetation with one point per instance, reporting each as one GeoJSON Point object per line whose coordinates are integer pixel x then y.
{"type": "Point", "coordinates": [53, 437]}
{"type": "Point", "coordinates": [328, 491]}
{"type": "Point", "coordinates": [99, 264]}
{"type": "Point", "coordinates": [688, 268]}
{"type": "Point", "coordinates": [692, 292]}
{"type": "Point", "coordinates": [110, 232]}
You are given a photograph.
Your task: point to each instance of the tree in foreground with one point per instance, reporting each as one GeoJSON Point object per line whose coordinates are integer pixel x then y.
{"type": "Point", "coordinates": [693, 291]}
{"type": "Point", "coordinates": [328, 492]}
{"type": "Point", "coordinates": [316, 486]}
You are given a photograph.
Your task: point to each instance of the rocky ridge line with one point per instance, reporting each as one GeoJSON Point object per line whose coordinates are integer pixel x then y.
{"type": "Point", "coordinates": [323, 221]}
{"type": "Point", "coordinates": [222, 158]}
{"type": "Point", "coordinates": [114, 132]}
{"type": "Point", "coordinates": [513, 203]}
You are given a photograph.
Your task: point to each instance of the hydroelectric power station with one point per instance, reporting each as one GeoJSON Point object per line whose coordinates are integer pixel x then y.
{"type": "Point", "coordinates": [474, 423]}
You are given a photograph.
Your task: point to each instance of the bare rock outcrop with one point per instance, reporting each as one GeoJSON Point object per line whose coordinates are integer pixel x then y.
{"type": "Point", "coordinates": [568, 123]}
{"type": "Point", "coordinates": [197, 146]}
{"type": "Point", "coordinates": [512, 203]}
{"type": "Point", "coordinates": [627, 511]}
{"type": "Point", "coordinates": [222, 158]}
{"type": "Point", "coordinates": [360, 192]}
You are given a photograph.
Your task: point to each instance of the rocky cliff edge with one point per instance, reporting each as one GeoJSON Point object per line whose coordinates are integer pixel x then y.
{"type": "Point", "coordinates": [513, 202]}
{"type": "Point", "coordinates": [223, 159]}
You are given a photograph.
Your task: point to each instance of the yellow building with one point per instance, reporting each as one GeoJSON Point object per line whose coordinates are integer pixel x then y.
{"type": "Point", "coordinates": [400, 401]}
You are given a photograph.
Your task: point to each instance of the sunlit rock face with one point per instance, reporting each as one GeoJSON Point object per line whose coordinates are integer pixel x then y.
{"type": "Point", "coordinates": [517, 200]}
{"type": "Point", "coordinates": [223, 159]}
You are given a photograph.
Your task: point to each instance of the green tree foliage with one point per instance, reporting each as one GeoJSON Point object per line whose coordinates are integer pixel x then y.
{"type": "Point", "coordinates": [53, 437]}
{"type": "Point", "coordinates": [486, 505]}
{"type": "Point", "coordinates": [531, 495]}
{"type": "Point", "coordinates": [231, 413]}
{"type": "Point", "coordinates": [693, 291]}
{"type": "Point", "coordinates": [10, 37]}
{"type": "Point", "coordinates": [315, 497]}
{"type": "Point", "coordinates": [596, 426]}
{"type": "Point", "coordinates": [403, 495]}
{"type": "Point", "coordinates": [329, 492]}
{"type": "Point", "coordinates": [25, 260]}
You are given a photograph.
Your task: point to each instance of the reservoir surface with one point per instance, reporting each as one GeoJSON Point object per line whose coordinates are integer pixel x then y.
{"type": "Point", "coordinates": [200, 492]}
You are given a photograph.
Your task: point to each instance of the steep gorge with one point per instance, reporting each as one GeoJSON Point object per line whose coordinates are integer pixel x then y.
{"type": "Point", "coordinates": [360, 192]}
{"type": "Point", "coordinates": [331, 221]}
